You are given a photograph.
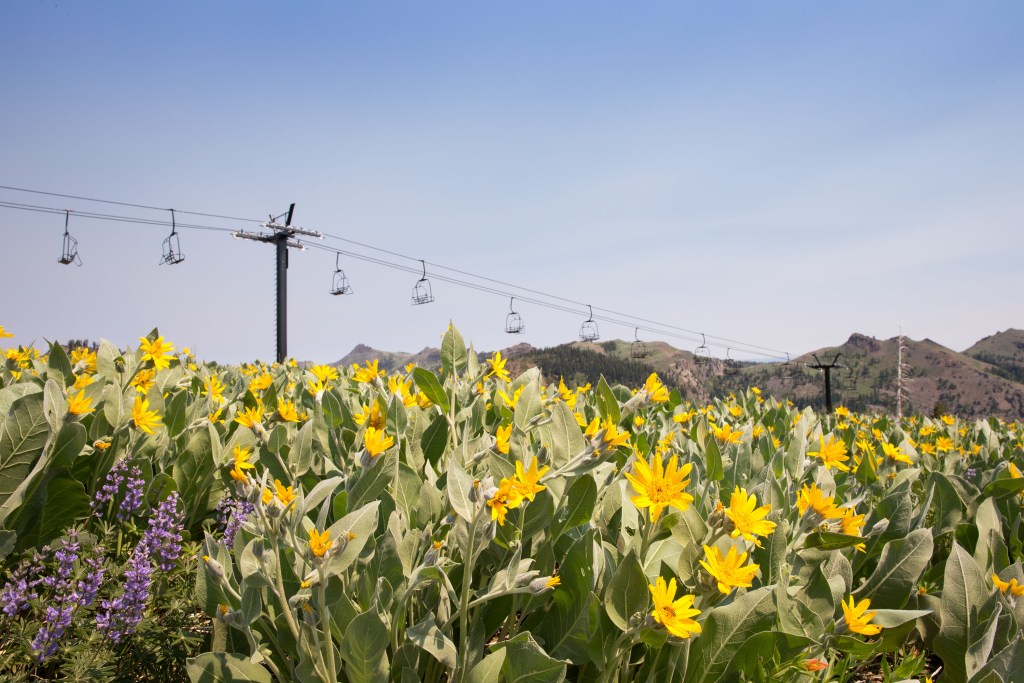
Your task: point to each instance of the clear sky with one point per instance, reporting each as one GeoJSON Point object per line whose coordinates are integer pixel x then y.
{"type": "Point", "coordinates": [780, 173]}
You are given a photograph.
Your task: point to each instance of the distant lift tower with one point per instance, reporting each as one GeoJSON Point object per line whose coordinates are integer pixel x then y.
{"type": "Point", "coordinates": [827, 369]}
{"type": "Point", "coordinates": [282, 236]}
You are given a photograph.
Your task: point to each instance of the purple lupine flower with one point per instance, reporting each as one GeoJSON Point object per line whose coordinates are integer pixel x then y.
{"type": "Point", "coordinates": [119, 616]}
{"type": "Point", "coordinates": [132, 495]}
{"type": "Point", "coordinates": [110, 489]}
{"type": "Point", "coordinates": [163, 537]}
{"type": "Point", "coordinates": [232, 515]}
{"type": "Point", "coordinates": [57, 617]}
{"type": "Point", "coordinates": [90, 586]}
{"type": "Point", "coordinates": [15, 596]}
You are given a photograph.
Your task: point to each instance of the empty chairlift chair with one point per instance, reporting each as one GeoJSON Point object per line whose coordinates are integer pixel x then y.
{"type": "Point", "coordinates": [172, 246]}
{"type": "Point", "coordinates": [339, 284]}
{"type": "Point", "coordinates": [513, 321]}
{"type": "Point", "coordinates": [730, 365]}
{"type": "Point", "coordinates": [69, 251]}
{"type": "Point", "coordinates": [786, 370]}
{"type": "Point", "coordinates": [702, 354]}
{"type": "Point", "coordinates": [588, 330]}
{"type": "Point", "coordinates": [421, 293]}
{"type": "Point", "coordinates": [638, 349]}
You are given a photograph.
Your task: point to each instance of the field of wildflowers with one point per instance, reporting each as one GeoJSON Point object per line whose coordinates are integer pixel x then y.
{"type": "Point", "coordinates": [166, 519]}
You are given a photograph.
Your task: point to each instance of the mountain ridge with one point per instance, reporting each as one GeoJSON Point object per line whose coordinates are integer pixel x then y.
{"type": "Point", "coordinates": [985, 379]}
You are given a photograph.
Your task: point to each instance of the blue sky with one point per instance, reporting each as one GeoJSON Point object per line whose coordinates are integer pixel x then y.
{"type": "Point", "coordinates": [782, 174]}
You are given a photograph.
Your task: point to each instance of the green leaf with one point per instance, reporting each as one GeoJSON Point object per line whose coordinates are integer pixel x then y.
{"type": "Point", "coordinates": [69, 443]}
{"type": "Point", "coordinates": [891, 618]}
{"type": "Point", "coordinates": [22, 438]}
{"type": "Point", "coordinates": [116, 407]}
{"type": "Point", "coordinates": [176, 415]}
{"type": "Point", "coordinates": [627, 592]}
{"type": "Point", "coordinates": [964, 590]}
{"type": "Point", "coordinates": [10, 394]}
{"type": "Point", "coordinates": [397, 417]}
{"type": "Point", "coordinates": [566, 439]}
{"type": "Point", "coordinates": [713, 460]}
{"type": "Point", "coordinates": [453, 352]}
{"type": "Point", "coordinates": [302, 451]}
{"type": "Point", "coordinates": [62, 503]}
{"type": "Point", "coordinates": [829, 540]}
{"type": "Point", "coordinates": [223, 667]}
{"type": "Point", "coordinates": [899, 569]}
{"type": "Point", "coordinates": [579, 505]}
{"type": "Point", "coordinates": [428, 636]}
{"type": "Point", "coordinates": [764, 645]}
{"type": "Point", "coordinates": [58, 365]}
{"type": "Point", "coordinates": [362, 523]}
{"type": "Point", "coordinates": [487, 670]}
{"type": "Point", "coordinates": [363, 648]}
{"type": "Point", "coordinates": [374, 480]}
{"type": "Point", "coordinates": [607, 405]}
{"type": "Point", "coordinates": [55, 406]}
{"type": "Point", "coordinates": [949, 508]}
{"type": "Point", "coordinates": [459, 486]}
{"type": "Point", "coordinates": [726, 630]}
{"type": "Point", "coordinates": [528, 406]}
{"type": "Point", "coordinates": [435, 438]}
{"type": "Point", "coordinates": [526, 662]}
{"type": "Point", "coordinates": [431, 386]}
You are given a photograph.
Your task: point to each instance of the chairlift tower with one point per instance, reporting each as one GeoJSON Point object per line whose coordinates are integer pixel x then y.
{"type": "Point", "coordinates": [282, 237]}
{"type": "Point", "coordinates": [827, 368]}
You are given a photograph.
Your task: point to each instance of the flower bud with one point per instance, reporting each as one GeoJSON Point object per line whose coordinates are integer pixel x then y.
{"type": "Point", "coordinates": [526, 578]}
{"type": "Point", "coordinates": [215, 568]}
{"type": "Point", "coordinates": [542, 584]}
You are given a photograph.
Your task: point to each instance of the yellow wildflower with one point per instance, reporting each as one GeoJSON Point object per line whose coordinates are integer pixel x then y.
{"type": "Point", "coordinates": [144, 418]}
{"type": "Point", "coordinates": [526, 481]}
{"type": "Point", "coordinates": [814, 499]}
{"type": "Point", "coordinates": [498, 370]}
{"type": "Point", "coordinates": [725, 434]}
{"type": "Point", "coordinates": [503, 436]}
{"type": "Point", "coordinates": [1010, 587]}
{"type": "Point", "coordinates": [324, 373]}
{"type": "Point", "coordinates": [675, 615]}
{"type": "Point", "coordinates": [857, 617]}
{"type": "Point", "coordinates": [659, 486]}
{"type": "Point", "coordinates": [285, 495]}
{"type": "Point", "coordinates": [80, 404]}
{"type": "Point", "coordinates": [748, 520]}
{"type": "Point", "coordinates": [250, 417]}
{"type": "Point", "coordinates": [729, 571]}
{"type": "Point", "coordinates": [85, 357]}
{"type": "Point", "coordinates": [144, 380]}
{"type": "Point", "coordinates": [510, 402]}
{"type": "Point", "coordinates": [156, 351]}
{"type": "Point", "coordinates": [656, 391]}
{"type": "Point", "coordinates": [286, 410]}
{"type": "Point", "coordinates": [319, 543]}
{"type": "Point", "coordinates": [506, 498]}
{"type": "Point", "coordinates": [368, 373]}
{"type": "Point", "coordinates": [376, 441]}
{"type": "Point", "coordinates": [832, 454]}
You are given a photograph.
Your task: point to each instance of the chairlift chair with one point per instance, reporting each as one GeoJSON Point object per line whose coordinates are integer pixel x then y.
{"type": "Point", "coordinates": [588, 330]}
{"type": "Point", "coordinates": [786, 370]}
{"type": "Point", "coordinates": [638, 349]}
{"type": "Point", "coordinates": [172, 247]}
{"type": "Point", "coordinates": [729, 365]}
{"type": "Point", "coordinates": [702, 354]}
{"type": "Point", "coordinates": [513, 321]}
{"type": "Point", "coordinates": [421, 293]}
{"type": "Point", "coordinates": [69, 252]}
{"type": "Point", "coordinates": [339, 285]}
